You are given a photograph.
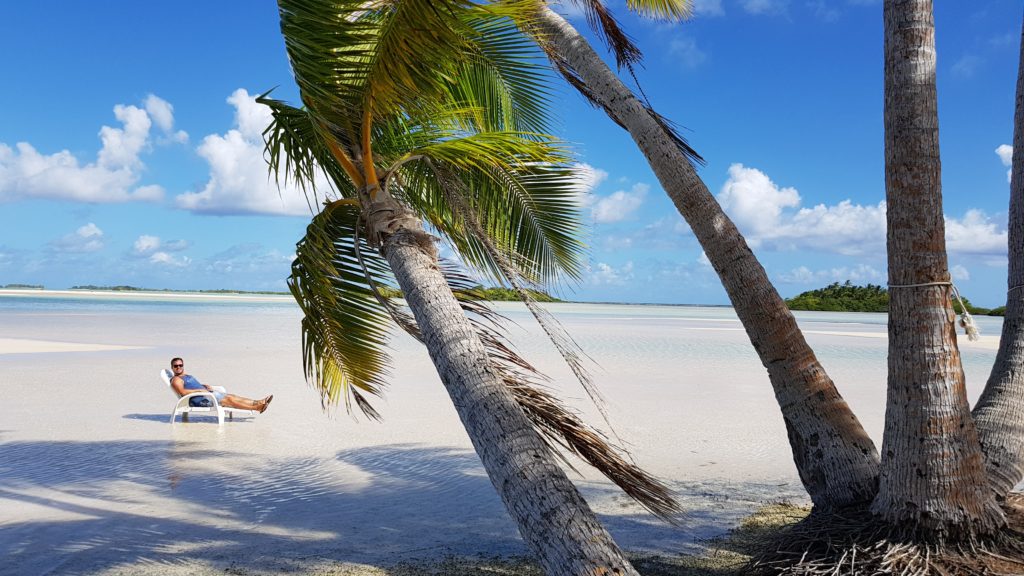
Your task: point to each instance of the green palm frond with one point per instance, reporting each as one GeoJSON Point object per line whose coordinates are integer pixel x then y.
{"type": "Point", "coordinates": [295, 151]}
{"type": "Point", "coordinates": [662, 9]}
{"type": "Point", "coordinates": [559, 426]}
{"type": "Point", "coordinates": [344, 327]}
{"type": "Point", "coordinates": [505, 76]}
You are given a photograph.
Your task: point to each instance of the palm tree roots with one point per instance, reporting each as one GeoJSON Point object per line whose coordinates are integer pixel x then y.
{"type": "Point", "coordinates": [853, 542]}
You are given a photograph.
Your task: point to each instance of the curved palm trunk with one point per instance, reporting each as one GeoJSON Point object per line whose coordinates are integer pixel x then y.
{"type": "Point", "coordinates": [932, 475]}
{"type": "Point", "coordinates": [836, 459]}
{"type": "Point", "coordinates": [551, 515]}
{"type": "Point", "coordinates": [999, 413]}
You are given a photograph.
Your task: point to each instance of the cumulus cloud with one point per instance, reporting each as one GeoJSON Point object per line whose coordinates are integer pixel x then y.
{"type": "Point", "coordinates": [112, 177]}
{"type": "Point", "coordinates": [162, 258]}
{"type": "Point", "coordinates": [958, 272]}
{"type": "Point", "coordinates": [603, 274]}
{"type": "Point", "coordinates": [975, 233]}
{"type": "Point", "coordinates": [754, 201]}
{"type": "Point", "coordinates": [238, 173]}
{"type": "Point", "coordinates": [162, 114]}
{"type": "Point", "coordinates": [1005, 152]}
{"type": "Point", "coordinates": [88, 238]}
{"type": "Point", "coordinates": [770, 217]}
{"type": "Point", "coordinates": [686, 53]}
{"type": "Point", "coordinates": [620, 204]}
{"type": "Point", "coordinates": [587, 179]}
{"type": "Point", "coordinates": [146, 245]}
{"type": "Point", "coordinates": [247, 258]}
{"type": "Point", "coordinates": [861, 274]}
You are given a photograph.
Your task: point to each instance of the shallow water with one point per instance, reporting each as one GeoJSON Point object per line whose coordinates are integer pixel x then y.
{"type": "Point", "coordinates": [94, 477]}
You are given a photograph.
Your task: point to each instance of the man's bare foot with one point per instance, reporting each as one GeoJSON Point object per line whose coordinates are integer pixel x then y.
{"type": "Point", "coordinates": [266, 402]}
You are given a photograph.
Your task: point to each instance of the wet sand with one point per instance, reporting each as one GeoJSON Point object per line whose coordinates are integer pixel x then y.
{"type": "Point", "coordinates": [95, 480]}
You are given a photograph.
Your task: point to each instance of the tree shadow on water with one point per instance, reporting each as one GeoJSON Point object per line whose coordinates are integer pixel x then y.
{"type": "Point", "coordinates": [85, 507]}
{"type": "Point", "coordinates": [159, 506]}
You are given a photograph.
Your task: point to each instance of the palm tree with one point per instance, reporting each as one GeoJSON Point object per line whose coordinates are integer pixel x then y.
{"type": "Point", "coordinates": [932, 472]}
{"type": "Point", "coordinates": [836, 459]}
{"type": "Point", "coordinates": [999, 413]}
{"type": "Point", "coordinates": [425, 110]}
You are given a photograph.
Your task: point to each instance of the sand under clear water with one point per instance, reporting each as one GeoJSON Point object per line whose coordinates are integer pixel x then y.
{"type": "Point", "coordinates": [94, 478]}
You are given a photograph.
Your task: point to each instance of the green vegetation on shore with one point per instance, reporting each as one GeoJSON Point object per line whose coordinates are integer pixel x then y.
{"type": "Point", "coordinates": [846, 297]}
{"type": "Point", "coordinates": [137, 289]}
{"type": "Point", "coordinates": [22, 286]}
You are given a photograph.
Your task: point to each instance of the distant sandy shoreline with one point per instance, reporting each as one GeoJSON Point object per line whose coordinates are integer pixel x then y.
{"type": "Point", "coordinates": [142, 294]}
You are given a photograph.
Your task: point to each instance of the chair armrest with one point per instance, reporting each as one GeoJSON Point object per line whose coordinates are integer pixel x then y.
{"type": "Point", "coordinates": [184, 399]}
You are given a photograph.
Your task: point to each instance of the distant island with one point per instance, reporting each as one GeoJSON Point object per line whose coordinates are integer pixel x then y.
{"type": "Point", "coordinates": [846, 297]}
{"type": "Point", "coordinates": [493, 294]}
{"type": "Point", "coordinates": [137, 289]}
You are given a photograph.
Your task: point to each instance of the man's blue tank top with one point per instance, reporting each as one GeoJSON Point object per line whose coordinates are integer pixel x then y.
{"type": "Point", "coordinates": [191, 383]}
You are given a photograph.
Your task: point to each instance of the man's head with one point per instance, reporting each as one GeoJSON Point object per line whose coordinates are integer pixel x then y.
{"type": "Point", "coordinates": [177, 366]}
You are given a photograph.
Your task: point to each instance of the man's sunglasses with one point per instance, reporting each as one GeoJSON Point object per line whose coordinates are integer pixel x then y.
{"type": "Point", "coordinates": [176, 365]}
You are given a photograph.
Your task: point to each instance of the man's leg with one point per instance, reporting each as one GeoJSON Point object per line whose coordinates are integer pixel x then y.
{"type": "Point", "coordinates": [243, 403]}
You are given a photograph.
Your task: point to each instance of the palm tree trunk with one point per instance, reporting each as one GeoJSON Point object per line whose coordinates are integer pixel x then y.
{"type": "Point", "coordinates": [999, 413]}
{"type": "Point", "coordinates": [551, 515]}
{"type": "Point", "coordinates": [836, 459]}
{"type": "Point", "coordinates": [932, 474]}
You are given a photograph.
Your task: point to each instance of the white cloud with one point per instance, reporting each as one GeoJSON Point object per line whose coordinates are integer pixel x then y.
{"type": "Point", "coordinates": [162, 114]}
{"type": "Point", "coordinates": [587, 179]}
{"type": "Point", "coordinates": [770, 217]}
{"type": "Point", "coordinates": [703, 260]}
{"type": "Point", "coordinates": [1005, 152]}
{"type": "Point", "coordinates": [147, 245]}
{"type": "Point", "coordinates": [861, 274]}
{"type": "Point", "coordinates": [975, 233]}
{"type": "Point", "coordinates": [607, 275]}
{"type": "Point", "coordinates": [754, 201]}
{"type": "Point", "coordinates": [26, 173]}
{"type": "Point", "coordinates": [958, 272]}
{"type": "Point", "coordinates": [238, 173]}
{"type": "Point", "coordinates": [685, 51]}
{"type": "Point", "coordinates": [620, 204]}
{"type": "Point", "coordinates": [165, 259]}
{"type": "Point", "coordinates": [88, 238]}
{"type": "Point", "coordinates": [765, 6]}
{"type": "Point", "coordinates": [708, 8]}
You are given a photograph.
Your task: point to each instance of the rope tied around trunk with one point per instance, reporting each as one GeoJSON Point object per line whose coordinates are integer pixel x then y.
{"type": "Point", "coordinates": [965, 317]}
{"type": "Point", "coordinates": [1017, 287]}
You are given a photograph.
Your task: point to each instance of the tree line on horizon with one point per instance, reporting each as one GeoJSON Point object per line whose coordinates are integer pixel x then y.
{"type": "Point", "coordinates": [847, 297]}
{"type": "Point", "coordinates": [434, 111]}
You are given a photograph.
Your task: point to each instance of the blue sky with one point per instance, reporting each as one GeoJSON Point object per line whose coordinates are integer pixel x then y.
{"type": "Point", "coordinates": [130, 148]}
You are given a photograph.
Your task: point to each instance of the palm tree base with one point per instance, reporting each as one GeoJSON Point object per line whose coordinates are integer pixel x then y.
{"type": "Point", "coordinates": [855, 542]}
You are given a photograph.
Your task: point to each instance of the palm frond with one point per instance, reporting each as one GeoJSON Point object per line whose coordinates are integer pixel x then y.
{"type": "Point", "coordinates": [662, 9]}
{"type": "Point", "coordinates": [505, 76]}
{"type": "Point", "coordinates": [603, 23]}
{"type": "Point", "coordinates": [560, 427]}
{"type": "Point", "coordinates": [344, 327]}
{"type": "Point", "coordinates": [295, 151]}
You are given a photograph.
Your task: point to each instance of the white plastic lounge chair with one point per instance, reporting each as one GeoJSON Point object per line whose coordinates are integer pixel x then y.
{"type": "Point", "coordinates": [182, 406]}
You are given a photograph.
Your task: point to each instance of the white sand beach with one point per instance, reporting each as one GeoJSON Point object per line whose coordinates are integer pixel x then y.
{"type": "Point", "coordinates": [95, 480]}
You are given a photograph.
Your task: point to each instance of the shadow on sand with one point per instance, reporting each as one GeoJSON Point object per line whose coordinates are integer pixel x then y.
{"type": "Point", "coordinates": [86, 507]}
